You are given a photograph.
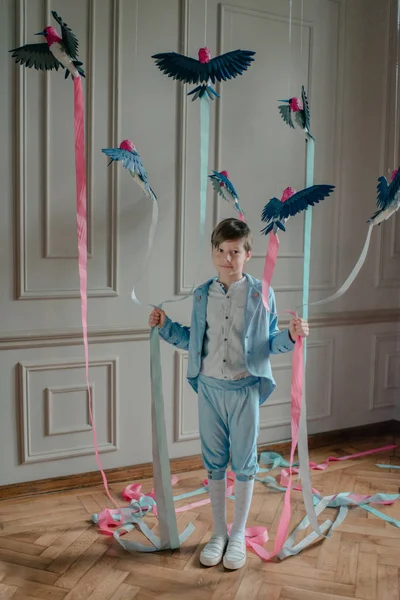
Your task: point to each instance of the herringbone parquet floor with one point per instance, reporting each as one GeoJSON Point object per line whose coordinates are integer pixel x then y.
{"type": "Point", "coordinates": [50, 549]}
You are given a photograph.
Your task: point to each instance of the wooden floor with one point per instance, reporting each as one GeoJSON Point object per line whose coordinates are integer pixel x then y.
{"type": "Point", "coordinates": [50, 549]}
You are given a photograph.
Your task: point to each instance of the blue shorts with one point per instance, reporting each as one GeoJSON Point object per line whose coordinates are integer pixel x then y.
{"type": "Point", "coordinates": [229, 424]}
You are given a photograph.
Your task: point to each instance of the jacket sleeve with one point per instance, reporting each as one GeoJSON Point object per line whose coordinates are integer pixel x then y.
{"type": "Point", "coordinates": [279, 341]}
{"type": "Point", "coordinates": [175, 334]}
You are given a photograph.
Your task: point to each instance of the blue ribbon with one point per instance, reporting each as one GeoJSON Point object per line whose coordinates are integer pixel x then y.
{"type": "Point", "coordinates": [161, 467]}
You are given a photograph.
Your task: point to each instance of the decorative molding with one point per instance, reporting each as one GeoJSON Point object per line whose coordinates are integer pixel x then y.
{"type": "Point", "coordinates": [375, 390]}
{"type": "Point", "coordinates": [70, 337]}
{"type": "Point", "coordinates": [22, 289]}
{"type": "Point", "coordinates": [338, 132]}
{"type": "Point", "coordinates": [387, 431]}
{"type": "Point", "coordinates": [391, 148]}
{"type": "Point", "coordinates": [27, 452]}
{"type": "Point", "coordinates": [51, 393]}
{"type": "Point", "coordinates": [389, 385]}
{"type": "Point", "coordinates": [73, 337]}
{"type": "Point", "coordinates": [181, 171]}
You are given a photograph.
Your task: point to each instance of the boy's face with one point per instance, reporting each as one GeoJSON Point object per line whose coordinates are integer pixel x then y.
{"type": "Point", "coordinates": [229, 259]}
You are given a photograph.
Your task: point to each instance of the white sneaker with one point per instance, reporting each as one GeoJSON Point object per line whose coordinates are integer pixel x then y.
{"type": "Point", "coordinates": [213, 552]}
{"type": "Point", "coordinates": [235, 556]}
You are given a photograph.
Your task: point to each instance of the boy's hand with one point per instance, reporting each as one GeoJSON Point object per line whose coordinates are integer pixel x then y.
{"type": "Point", "coordinates": [157, 317]}
{"type": "Point", "coordinates": [298, 327]}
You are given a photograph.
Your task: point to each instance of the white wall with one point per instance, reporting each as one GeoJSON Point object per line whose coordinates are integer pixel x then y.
{"type": "Point", "coordinates": [344, 55]}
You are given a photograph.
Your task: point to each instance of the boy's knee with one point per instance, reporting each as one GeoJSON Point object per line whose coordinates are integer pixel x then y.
{"type": "Point", "coordinates": [216, 475]}
{"type": "Point", "coordinates": [244, 477]}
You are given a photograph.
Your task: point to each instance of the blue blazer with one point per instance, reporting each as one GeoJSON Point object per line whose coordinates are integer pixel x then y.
{"type": "Point", "coordinates": [262, 336]}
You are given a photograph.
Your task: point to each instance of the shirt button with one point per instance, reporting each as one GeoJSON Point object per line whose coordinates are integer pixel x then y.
{"type": "Point", "coordinates": [228, 296]}
{"type": "Point", "coordinates": [225, 339]}
{"type": "Point", "coordinates": [226, 317]}
{"type": "Point", "coordinates": [224, 360]}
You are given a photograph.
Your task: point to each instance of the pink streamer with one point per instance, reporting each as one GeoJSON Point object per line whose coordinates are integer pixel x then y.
{"type": "Point", "coordinates": [80, 170]}
{"type": "Point", "coordinates": [269, 267]}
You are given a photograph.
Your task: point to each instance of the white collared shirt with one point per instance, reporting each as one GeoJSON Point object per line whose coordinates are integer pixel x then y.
{"type": "Point", "coordinates": [223, 346]}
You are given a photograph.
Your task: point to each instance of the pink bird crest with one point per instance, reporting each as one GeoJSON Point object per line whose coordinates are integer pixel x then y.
{"type": "Point", "coordinates": [287, 193]}
{"type": "Point", "coordinates": [127, 145]}
{"type": "Point", "coordinates": [295, 104]}
{"type": "Point", "coordinates": [394, 173]}
{"type": "Point", "coordinates": [225, 174]}
{"type": "Point", "coordinates": [204, 55]}
{"type": "Point", "coordinates": [51, 35]}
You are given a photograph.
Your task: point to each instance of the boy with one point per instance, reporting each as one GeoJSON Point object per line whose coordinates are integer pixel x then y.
{"type": "Point", "coordinates": [229, 341]}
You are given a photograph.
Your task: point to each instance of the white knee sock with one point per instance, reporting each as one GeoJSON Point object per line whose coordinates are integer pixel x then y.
{"type": "Point", "coordinates": [217, 489]}
{"type": "Point", "coordinates": [243, 496]}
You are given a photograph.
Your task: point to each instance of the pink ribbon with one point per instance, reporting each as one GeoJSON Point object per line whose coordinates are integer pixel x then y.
{"type": "Point", "coordinates": [269, 267]}
{"type": "Point", "coordinates": [80, 170]}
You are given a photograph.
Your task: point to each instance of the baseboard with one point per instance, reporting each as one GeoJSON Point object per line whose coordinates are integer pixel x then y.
{"type": "Point", "coordinates": [389, 429]}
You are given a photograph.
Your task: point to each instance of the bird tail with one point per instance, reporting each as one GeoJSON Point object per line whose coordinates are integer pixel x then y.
{"type": "Point", "coordinates": [378, 212]}
{"type": "Point", "coordinates": [78, 65]}
{"type": "Point", "coordinates": [200, 90]}
{"type": "Point", "coordinates": [280, 225]}
{"type": "Point", "coordinates": [311, 137]}
{"type": "Point", "coordinates": [267, 229]}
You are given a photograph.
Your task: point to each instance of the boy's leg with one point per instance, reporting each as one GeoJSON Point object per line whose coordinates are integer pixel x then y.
{"type": "Point", "coordinates": [214, 438]}
{"type": "Point", "coordinates": [244, 427]}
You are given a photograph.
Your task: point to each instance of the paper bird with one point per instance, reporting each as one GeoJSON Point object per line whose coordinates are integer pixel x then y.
{"type": "Point", "coordinates": [56, 52]}
{"type": "Point", "coordinates": [130, 158]}
{"type": "Point", "coordinates": [276, 211]}
{"type": "Point", "coordinates": [224, 188]}
{"type": "Point", "coordinates": [205, 69]}
{"type": "Point", "coordinates": [300, 111]}
{"type": "Point", "coordinates": [388, 201]}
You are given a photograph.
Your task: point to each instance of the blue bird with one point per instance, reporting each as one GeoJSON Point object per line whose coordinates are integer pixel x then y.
{"type": "Point", "coordinates": [388, 201]}
{"type": "Point", "coordinates": [205, 69]}
{"type": "Point", "coordinates": [132, 162]}
{"type": "Point", "coordinates": [291, 203]}
{"type": "Point", "coordinates": [224, 187]}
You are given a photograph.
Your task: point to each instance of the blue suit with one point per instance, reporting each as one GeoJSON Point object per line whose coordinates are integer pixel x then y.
{"type": "Point", "coordinates": [261, 338]}
{"type": "Point", "coordinates": [229, 410]}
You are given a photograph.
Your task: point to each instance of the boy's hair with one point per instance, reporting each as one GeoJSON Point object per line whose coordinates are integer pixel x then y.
{"type": "Point", "coordinates": [232, 229]}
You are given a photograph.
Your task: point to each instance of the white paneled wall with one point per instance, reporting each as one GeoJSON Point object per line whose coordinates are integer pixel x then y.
{"type": "Point", "coordinates": [343, 52]}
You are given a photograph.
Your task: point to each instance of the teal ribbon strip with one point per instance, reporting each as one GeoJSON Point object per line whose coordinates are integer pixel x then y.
{"type": "Point", "coordinates": [388, 466]}
{"type": "Point", "coordinates": [161, 467]}
{"type": "Point", "coordinates": [302, 446]}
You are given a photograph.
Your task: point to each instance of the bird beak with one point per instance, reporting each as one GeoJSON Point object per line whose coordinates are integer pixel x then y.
{"type": "Point", "coordinates": [40, 33]}
{"type": "Point", "coordinates": [283, 100]}
{"type": "Point", "coordinates": [112, 160]}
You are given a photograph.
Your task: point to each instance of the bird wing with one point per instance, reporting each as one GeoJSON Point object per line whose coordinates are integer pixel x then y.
{"type": "Point", "coordinates": [286, 114]}
{"type": "Point", "coordinates": [271, 210]}
{"type": "Point", "coordinates": [229, 65]}
{"type": "Point", "coordinates": [70, 41]}
{"type": "Point", "coordinates": [191, 70]}
{"type": "Point", "coordinates": [382, 200]}
{"type": "Point", "coordinates": [38, 56]}
{"type": "Point", "coordinates": [181, 67]}
{"type": "Point", "coordinates": [306, 108]}
{"type": "Point", "coordinates": [130, 161]}
{"type": "Point", "coordinates": [394, 187]}
{"type": "Point", "coordinates": [301, 200]}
